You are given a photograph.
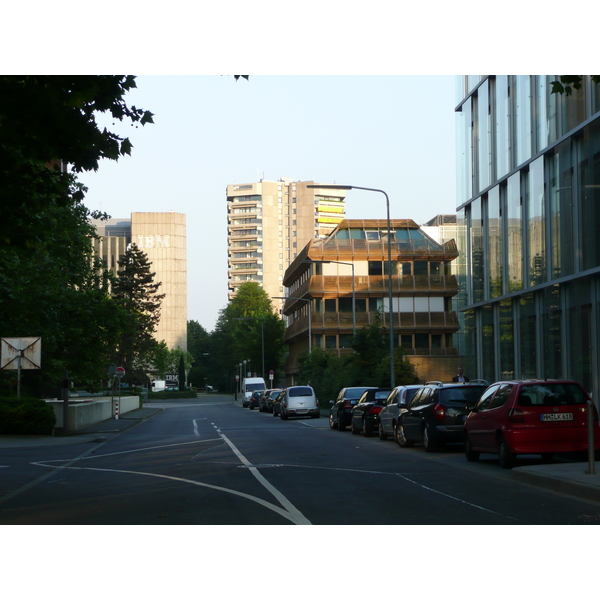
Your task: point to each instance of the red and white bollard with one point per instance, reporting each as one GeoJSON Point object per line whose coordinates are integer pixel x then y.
{"type": "Point", "coordinates": [117, 409]}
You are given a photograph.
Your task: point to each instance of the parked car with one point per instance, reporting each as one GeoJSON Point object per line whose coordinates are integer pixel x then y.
{"type": "Point", "coordinates": [529, 417]}
{"type": "Point", "coordinates": [340, 415]}
{"type": "Point", "coordinates": [365, 414]}
{"type": "Point", "coordinates": [263, 401]}
{"type": "Point", "coordinates": [436, 414]}
{"type": "Point", "coordinates": [388, 417]}
{"type": "Point", "coordinates": [254, 399]}
{"type": "Point", "coordinates": [298, 401]}
{"type": "Point", "coordinates": [275, 401]}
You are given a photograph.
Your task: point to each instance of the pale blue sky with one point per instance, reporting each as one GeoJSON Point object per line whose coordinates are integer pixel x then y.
{"type": "Point", "coordinates": [394, 133]}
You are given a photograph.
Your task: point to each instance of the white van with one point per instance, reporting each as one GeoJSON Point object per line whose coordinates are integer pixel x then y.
{"type": "Point", "coordinates": [249, 385]}
{"type": "Point", "coordinates": [299, 401]}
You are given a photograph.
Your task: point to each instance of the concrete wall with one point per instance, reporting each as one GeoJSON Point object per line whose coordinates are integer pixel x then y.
{"type": "Point", "coordinates": [83, 413]}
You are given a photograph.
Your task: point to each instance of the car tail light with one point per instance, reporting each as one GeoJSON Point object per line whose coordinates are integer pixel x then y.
{"type": "Point", "coordinates": [347, 404]}
{"type": "Point", "coordinates": [375, 410]}
{"type": "Point", "coordinates": [515, 415]}
{"type": "Point", "coordinates": [438, 411]}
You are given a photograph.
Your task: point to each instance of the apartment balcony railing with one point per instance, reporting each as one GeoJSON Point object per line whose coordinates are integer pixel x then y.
{"type": "Point", "coordinates": [401, 285]}
{"type": "Point", "coordinates": [341, 322]}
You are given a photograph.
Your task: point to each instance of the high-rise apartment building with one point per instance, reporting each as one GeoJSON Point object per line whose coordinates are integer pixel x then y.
{"type": "Point", "coordinates": [162, 237]}
{"type": "Point", "coordinates": [268, 224]}
{"type": "Point", "coordinates": [529, 217]}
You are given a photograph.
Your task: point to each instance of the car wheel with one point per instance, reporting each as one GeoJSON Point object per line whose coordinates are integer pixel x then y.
{"type": "Point", "coordinates": [472, 455]}
{"type": "Point", "coordinates": [505, 457]}
{"type": "Point", "coordinates": [382, 434]}
{"type": "Point", "coordinates": [428, 443]}
{"type": "Point", "coordinates": [332, 423]}
{"type": "Point", "coordinates": [367, 429]}
{"type": "Point", "coordinates": [400, 436]}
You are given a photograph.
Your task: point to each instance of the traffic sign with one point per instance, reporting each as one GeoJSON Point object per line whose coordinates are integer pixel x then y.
{"type": "Point", "coordinates": [120, 372]}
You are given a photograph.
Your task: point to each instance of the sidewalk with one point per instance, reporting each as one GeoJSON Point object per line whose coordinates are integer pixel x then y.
{"type": "Point", "coordinates": [81, 436]}
{"type": "Point", "coordinates": [571, 478]}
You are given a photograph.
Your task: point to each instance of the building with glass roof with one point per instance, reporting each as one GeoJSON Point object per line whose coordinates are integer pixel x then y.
{"type": "Point", "coordinates": [341, 282]}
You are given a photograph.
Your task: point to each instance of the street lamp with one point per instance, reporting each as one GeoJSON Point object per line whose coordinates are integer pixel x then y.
{"type": "Point", "coordinates": [262, 327]}
{"type": "Point", "coordinates": [309, 325]}
{"type": "Point", "coordinates": [339, 262]}
{"type": "Point", "coordinates": [390, 280]}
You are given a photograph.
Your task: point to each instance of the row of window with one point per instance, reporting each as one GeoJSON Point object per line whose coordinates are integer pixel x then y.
{"type": "Point", "coordinates": [540, 224]}
{"type": "Point", "coordinates": [423, 341]}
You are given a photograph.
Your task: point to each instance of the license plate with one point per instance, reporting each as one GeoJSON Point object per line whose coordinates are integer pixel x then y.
{"type": "Point", "coordinates": [557, 417]}
{"type": "Point", "coordinates": [301, 411]}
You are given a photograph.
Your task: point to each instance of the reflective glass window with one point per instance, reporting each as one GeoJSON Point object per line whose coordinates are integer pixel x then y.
{"type": "Point", "coordinates": [502, 126]}
{"type": "Point", "coordinates": [580, 332]}
{"type": "Point", "coordinates": [514, 229]}
{"type": "Point", "coordinates": [523, 121]}
{"type": "Point", "coordinates": [552, 327]}
{"type": "Point", "coordinates": [494, 242]}
{"type": "Point", "coordinates": [527, 328]}
{"type": "Point", "coordinates": [477, 250]}
{"type": "Point", "coordinates": [488, 345]}
{"type": "Point", "coordinates": [507, 340]}
{"type": "Point", "coordinates": [484, 136]}
{"type": "Point", "coordinates": [588, 175]}
{"type": "Point", "coordinates": [535, 223]}
{"type": "Point", "coordinates": [561, 219]}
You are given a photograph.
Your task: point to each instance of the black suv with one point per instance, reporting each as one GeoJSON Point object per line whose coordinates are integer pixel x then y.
{"type": "Point", "coordinates": [436, 414]}
{"type": "Point", "coordinates": [365, 414]}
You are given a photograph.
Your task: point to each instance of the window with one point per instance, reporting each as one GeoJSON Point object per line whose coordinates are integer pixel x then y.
{"type": "Point", "coordinates": [330, 341]}
{"type": "Point", "coordinates": [373, 236]}
{"type": "Point", "coordinates": [484, 401]}
{"type": "Point", "coordinates": [375, 267]}
{"type": "Point", "coordinates": [345, 340]}
{"type": "Point", "coordinates": [501, 397]}
{"type": "Point", "coordinates": [420, 267]}
{"type": "Point", "coordinates": [330, 305]}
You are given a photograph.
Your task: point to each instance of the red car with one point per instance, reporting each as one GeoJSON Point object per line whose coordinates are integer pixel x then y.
{"type": "Point", "coordinates": [529, 417]}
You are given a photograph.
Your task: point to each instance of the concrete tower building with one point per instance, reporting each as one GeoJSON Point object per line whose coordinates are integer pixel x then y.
{"type": "Point", "coordinates": [268, 223]}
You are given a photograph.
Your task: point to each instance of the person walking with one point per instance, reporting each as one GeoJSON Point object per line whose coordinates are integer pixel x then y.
{"type": "Point", "coordinates": [460, 377]}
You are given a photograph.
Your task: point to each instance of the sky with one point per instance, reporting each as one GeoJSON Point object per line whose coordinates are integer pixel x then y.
{"type": "Point", "coordinates": [389, 132]}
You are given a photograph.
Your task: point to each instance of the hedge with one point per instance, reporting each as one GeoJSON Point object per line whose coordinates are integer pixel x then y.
{"type": "Point", "coordinates": [26, 416]}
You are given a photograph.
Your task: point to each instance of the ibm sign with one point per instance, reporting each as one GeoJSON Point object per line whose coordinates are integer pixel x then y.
{"type": "Point", "coordinates": [153, 241]}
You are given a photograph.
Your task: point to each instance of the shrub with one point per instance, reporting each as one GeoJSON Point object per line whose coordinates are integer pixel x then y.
{"type": "Point", "coordinates": [26, 416]}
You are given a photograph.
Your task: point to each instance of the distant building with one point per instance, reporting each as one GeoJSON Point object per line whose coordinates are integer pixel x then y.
{"type": "Point", "coordinates": [268, 223]}
{"type": "Point", "coordinates": [162, 237]}
{"type": "Point", "coordinates": [528, 216]}
{"type": "Point", "coordinates": [423, 288]}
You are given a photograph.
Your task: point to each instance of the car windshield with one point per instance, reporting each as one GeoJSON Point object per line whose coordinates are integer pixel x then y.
{"type": "Point", "coordinates": [254, 386]}
{"type": "Point", "coordinates": [300, 391]}
{"type": "Point", "coordinates": [551, 394]}
{"type": "Point", "coordinates": [469, 394]}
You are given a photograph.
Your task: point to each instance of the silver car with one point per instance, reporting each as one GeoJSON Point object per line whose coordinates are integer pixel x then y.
{"type": "Point", "coordinates": [399, 397]}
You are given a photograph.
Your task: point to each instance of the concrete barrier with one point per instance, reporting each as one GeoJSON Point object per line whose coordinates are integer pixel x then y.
{"type": "Point", "coordinates": [84, 412]}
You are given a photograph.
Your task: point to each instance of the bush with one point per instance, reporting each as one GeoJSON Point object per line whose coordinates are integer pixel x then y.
{"type": "Point", "coordinates": [26, 416]}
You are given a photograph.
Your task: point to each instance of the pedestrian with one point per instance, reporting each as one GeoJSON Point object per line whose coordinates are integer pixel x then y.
{"type": "Point", "coordinates": [460, 377]}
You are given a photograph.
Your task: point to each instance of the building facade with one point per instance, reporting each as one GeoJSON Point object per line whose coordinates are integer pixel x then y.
{"type": "Point", "coordinates": [528, 195]}
{"type": "Point", "coordinates": [342, 281]}
{"type": "Point", "coordinates": [162, 237]}
{"type": "Point", "coordinates": [268, 223]}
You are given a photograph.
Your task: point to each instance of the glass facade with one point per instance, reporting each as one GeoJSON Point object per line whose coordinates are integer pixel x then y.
{"type": "Point", "coordinates": [528, 185]}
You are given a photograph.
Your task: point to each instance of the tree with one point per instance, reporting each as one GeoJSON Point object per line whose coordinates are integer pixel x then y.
{"type": "Point", "coordinates": [135, 291]}
{"type": "Point", "coordinates": [565, 84]}
{"type": "Point", "coordinates": [50, 284]}
{"type": "Point", "coordinates": [239, 331]}
{"type": "Point", "coordinates": [181, 373]}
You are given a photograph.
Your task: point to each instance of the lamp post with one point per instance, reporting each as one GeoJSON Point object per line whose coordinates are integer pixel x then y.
{"type": "Point", "coordinates": [390, 280]}
{"type": "Point", "coordinates": [339, 262]}
{"type": "Point", "coordinates": [309, 323]}
{"type": "Point", "coordinates": [262, 328]}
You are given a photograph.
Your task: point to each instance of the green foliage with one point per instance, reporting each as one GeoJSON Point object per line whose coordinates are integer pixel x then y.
{"type": "Point", "coordinates": [50, 285]}
{"type": "Point", "coordinates": [135, 291]}
{"type": "Point", "coordinates": [239, 334]}
{"type": "Point", "coordinates": [368, 365]}
{"type": "Point", "coordinates": [181, 373]}
{"type": "Point", "coordinates": [27, 416]}
{"type": "Point", "coordinates": [565, 84]}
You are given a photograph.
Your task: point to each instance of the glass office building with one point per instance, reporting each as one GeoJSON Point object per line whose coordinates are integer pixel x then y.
{"type": "Point", "coordinates": [528, 178]}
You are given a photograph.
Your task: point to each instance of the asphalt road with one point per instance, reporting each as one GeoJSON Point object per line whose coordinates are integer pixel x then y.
{"type": "Point", "coordinates": [211, 462]}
